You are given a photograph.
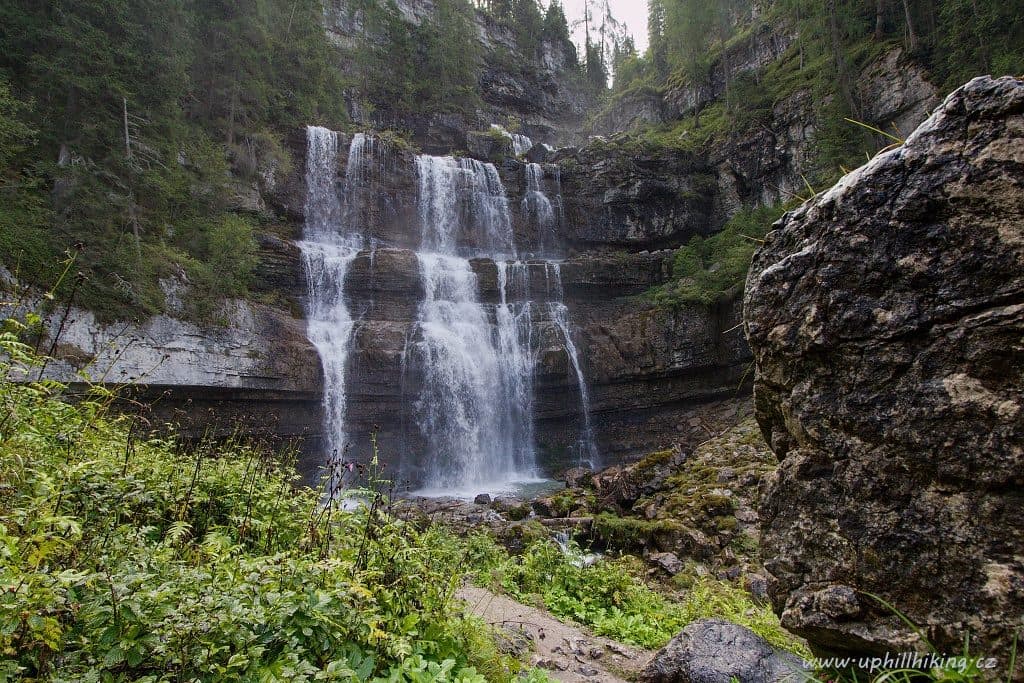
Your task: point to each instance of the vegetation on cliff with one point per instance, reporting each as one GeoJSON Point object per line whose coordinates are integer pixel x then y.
{"type": "Point", "coordinates": [690, 40]}
{"type": "Point", "coordinates": [144, 131]}
{"type": "Point", "coordinates": [711, 270]}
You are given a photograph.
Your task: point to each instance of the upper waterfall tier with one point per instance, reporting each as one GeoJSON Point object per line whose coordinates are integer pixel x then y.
{"type": "Point", "coordinates": [521, 144]}
{"type": "Point", "coordinates": [463, 207]}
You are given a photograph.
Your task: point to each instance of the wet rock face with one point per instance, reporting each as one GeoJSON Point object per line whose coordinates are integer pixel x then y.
{"type": "Point", "coordinates": [886, 319]}
{"type": "Point", "coordinates": [635, 197]}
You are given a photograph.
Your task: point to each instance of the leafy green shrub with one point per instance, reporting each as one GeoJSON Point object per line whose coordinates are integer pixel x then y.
{"type": "Point", "coordinates": [124, 558]}
{"type": "Point", "coordinates": [713, 269]}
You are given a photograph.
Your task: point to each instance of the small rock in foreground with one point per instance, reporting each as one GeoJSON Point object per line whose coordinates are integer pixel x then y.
{"type": "Point", "coordinates": [718, 651]}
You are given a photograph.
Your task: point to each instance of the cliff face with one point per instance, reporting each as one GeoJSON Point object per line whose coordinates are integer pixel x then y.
{"type": "Point", "coordinates": [635, 198]}
{"type": "Point", "coordinates": [541, 92]}
{"type": "Point", "coordinates": [645, 365]}
{"type": "Point", "coordinates": [768, 162]}
{"type": "Point", "coordinates": [885, 318]}
{"type": "Point", "coordinates": [254, 374]}
{"type": "Point", "coordinates": [623, 206]}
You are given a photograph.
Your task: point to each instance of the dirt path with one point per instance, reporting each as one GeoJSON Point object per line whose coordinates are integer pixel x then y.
{"type": "Point", "coordinates": [567, 652]}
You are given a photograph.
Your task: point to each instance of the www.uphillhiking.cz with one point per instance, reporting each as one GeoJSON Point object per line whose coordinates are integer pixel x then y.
{"type": "Point", "coordinates": [903, 660]}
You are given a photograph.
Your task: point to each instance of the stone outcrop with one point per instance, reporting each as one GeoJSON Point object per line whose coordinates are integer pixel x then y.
{"type": "Point", "coordinates": [886, 318]}
{"type": "Point", "coordinates": [718, 651]}
{"type": "Point", "coordinates": [254, 374]}
{"type": "Point", "coordinates": [696, 501]}
{"type": "Point", "coordinates": [634, 196]}
{"type": "Point", "coordinates": [631, 111]}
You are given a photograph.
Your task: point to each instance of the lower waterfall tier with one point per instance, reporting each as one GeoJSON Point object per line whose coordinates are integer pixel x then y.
{"type": "Point", "coordinates": [639, 381]}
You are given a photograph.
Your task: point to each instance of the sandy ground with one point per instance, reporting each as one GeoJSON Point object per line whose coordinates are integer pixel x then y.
{"type": "Point", "coordinates": [567, 652]}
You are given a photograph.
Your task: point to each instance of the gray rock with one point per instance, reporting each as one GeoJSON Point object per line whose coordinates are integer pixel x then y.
{"type": "Point", "coordinates": [540, 154]}
{"type": "Point", "coordinates": [618, 196]}
{"type": "Point", "coordinates": [668, 561]}
{"type": "Point", "coordinates": [757, 586]}
{"type": "Point", "coordinates": [512, 508]}
{"type": "Point", "coordinates": [886, 319]}
{"type": "Point", "coordinates": [483, 499]}
{"type": "Point", "coordinates": [577, 477]}
{"type": "Point", "coordinates": [718, 651]}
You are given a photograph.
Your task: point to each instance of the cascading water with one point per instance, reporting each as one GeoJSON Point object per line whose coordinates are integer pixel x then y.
{"type": "Point", "coordinates": [520, 143]}
{"type": "Point", "coordinates": [331, 241]}
{"type": "Point", "coordinates": [537, 207]}
{"type": "Point", "coordinates": [558, 196]}
{"type": "Point", "coordinates": [475, 406]}
{"type": "Point", "coordinates": [463, 207]}
{"type": "Point", "coordinates": [327, 251]}
{"type": "Point", "coordinates": [514, 323]}
{"type": "Point", "coordinates": [471, 363]}
{"type": "Point", "coordinates": [586, 445]}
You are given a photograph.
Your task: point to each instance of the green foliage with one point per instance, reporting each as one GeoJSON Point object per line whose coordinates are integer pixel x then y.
{"type": "Point", "coordinates": [835, 40]}
{"type": "Point", "coordinates": [692, 133]}
{"type": "Point", "coordinates": [713, 269]}
{"type": "Point", "coordinates": [422, 68]}
{"type": "Point", "coordinates": [596, 73]}
{"type": "Point", "coordinates": [976, 37]}
{"type": "Point", "coordinates": [529, 25]}
{"type": "Point", "coordinates": [608, 597]}
{"type": "Point", "coordinates": [140, 109]}
{"type": "Point", "coordinates": [633, 534]}
{"type": "Point", "coordinates": [556, 27]}
{"type": "Point", "coordinates": [126, 558]}
{"type": "Point", "coordinates": [15, 132]}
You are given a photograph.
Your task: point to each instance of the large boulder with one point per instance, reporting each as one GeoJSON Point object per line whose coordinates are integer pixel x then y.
{"type": "Point", "coordinates": [718, 651]}
{"type": "Point", "coordinates": [886, 318]}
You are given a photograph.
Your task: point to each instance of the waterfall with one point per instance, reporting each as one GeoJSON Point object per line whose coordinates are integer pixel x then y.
{"type": "Point", "coordinates": [462, 206]}
{"type": "Point", "coordinates": [537, 206]}
{"type": "Point", "coordinates": [332, 238]}
{"type": "Point", "coordinates": [328, 248]}
{"type": "Point", "coordinates": [514, 322]}
{"type": "Point", "coordinates": [586, 444]}
{"type": "Point", "coordinates": [467, 366]}
{"type": "Point", "coordinates": [520, 143]}
{"type": "Point", "coordinates": [475, 409]}
{"type": "Point", "coordinates": [558, 196]}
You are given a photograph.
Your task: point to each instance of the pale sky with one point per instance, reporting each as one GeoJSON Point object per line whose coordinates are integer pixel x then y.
{"type": "Point", "coordinates": [633, 13]}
